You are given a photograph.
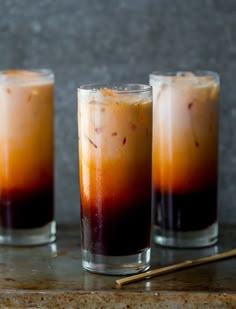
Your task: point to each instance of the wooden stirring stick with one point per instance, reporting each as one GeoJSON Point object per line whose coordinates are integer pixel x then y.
{"type": "Point", "coordinates": [182, 265]}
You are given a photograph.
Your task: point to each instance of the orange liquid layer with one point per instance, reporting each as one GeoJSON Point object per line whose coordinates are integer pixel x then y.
{"type": "Point", "coordinates": [108, 184]}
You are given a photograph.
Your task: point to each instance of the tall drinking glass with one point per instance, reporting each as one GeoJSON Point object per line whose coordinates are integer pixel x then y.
{"type": "Point", "coordinates": [26, 157]}
{"type": "Point", "coordinates": [115, 143]}
{"type": "Point", "coordinates": [185, 148]}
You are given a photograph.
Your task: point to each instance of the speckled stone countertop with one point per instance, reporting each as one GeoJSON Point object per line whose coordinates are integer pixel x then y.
{"type": "Point", "coordinates": [52, 277]}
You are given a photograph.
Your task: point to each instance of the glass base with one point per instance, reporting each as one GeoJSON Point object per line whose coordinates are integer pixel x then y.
{"type": "Point", "coordinates": [116, 265]}
{"type": "Point", "coordinates": [28, 237]}
{"type": "Point", "coordinates": [192, 239]}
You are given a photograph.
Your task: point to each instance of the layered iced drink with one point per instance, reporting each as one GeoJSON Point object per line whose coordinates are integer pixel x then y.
{"type": "Point", "coordinates": [115, 141]}
{"type": "Point", "coordinates": [185, 142]}
{"type": "Point", "coordinates": [26, 157]}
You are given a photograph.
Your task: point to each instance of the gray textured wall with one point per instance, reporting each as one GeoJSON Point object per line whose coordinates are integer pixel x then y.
{"type": "Point", "coordinates": [116, 40]}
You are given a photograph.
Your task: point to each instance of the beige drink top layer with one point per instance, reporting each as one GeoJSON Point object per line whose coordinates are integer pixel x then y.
{"type": "Point", "coordinates": [185, 133]}
{"type": "Point", "coordinates": [26, 130]}
{"type": "Point", "coordinates": [115, 144]}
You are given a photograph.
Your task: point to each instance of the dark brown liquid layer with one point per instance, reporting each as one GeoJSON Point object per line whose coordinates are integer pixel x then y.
{"type": "Point", "coordinates": [108, 229]}
{"type": "Point", "coordinates": [185, 212]}
{"type": "Point", "coordinates": [26, 210]}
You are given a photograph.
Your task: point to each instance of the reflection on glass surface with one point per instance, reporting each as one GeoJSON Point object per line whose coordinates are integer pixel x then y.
{"type": "Point", "coordinates": [167, 256]}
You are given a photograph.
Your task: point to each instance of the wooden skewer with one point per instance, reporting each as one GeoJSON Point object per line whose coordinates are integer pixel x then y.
{"type": "Point", "coordinates": [174, 267]}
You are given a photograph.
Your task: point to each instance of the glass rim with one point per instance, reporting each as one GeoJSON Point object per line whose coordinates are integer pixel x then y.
{"type": "Point", "coordinates": [183, 73]}
{"type": "Point", "coordinates": [117, 88]}
{"type": "Point", "coordinates": [11, 77]}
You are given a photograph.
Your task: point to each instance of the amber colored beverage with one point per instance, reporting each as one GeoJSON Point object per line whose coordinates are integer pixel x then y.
{"type": "Point", "coordinates": [26, 157]}
{"type": "Point", "coordinates": [185, 152]}
{"type": "Point", "coordinates": [115, 140]}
